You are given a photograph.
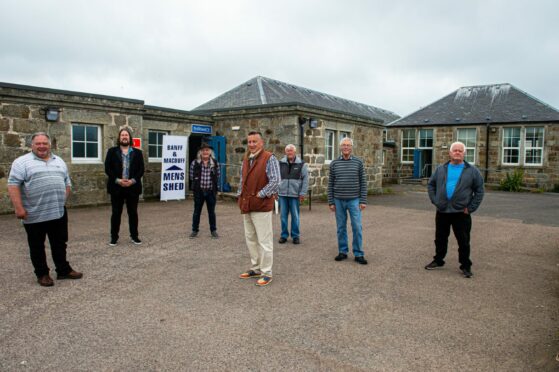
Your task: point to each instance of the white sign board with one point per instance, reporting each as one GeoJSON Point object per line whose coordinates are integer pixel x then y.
{"type": "Point", "coordinates": [174, 168]}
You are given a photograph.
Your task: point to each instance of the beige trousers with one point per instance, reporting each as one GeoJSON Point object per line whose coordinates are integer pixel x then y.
{"type": "Point", "coordinates": [259, 237]}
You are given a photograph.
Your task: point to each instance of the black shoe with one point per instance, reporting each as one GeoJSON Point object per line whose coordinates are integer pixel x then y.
{"type": "Point", "coordinates": [282, 240]}
{"type": "Point", "coordinates": [467, 273]}
{"type": "Point", "coordinates": [193, 234]}
{"type": "Point", "coordinates": [433, 265]}
{"type": "Point", "coordinates": [296, 241]}
{"type": "Point", "coordinates": [361, 260]}
{"type": "Point", "coordinates": [214, 235]}
{"type": "Point", "coordinates": [340, 257]}
{"type": "Point", "coordinates": [136, 240]}
{"type": "Point", "coordinates": [113, 242]}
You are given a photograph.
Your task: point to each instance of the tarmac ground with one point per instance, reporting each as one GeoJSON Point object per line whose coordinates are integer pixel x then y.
{"type": "Point", "coordinates": [175, 304]}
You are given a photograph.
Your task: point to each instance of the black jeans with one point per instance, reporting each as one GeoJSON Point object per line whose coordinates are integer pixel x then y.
{"type": "Point", "coordinates": [199, 198]}
{"type": "Point", "coordinates": [57, 231]}
{"type": "Point", "coordinates": [117, 201]}
{"type": "Point", "coordinates": [461, 226]}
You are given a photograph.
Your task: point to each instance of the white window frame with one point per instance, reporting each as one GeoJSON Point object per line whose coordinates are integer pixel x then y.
{"type": "Point", "coordinates": [528, 146]}
{"type": "Point", "coordinates": [336, 136]}
{"type": "Point", "coordinates": [402, 147]}
{"type": "Point", "coordinates": [86, 160]}
{"type": "Point", "coordinates": [156, 159]}
{"type": "Point", "coordinates": [505, 148]}
{"type": "Point", "coordinates": [419, 138]}
{"type": "Point", "coordinates": [329, 145]}
{"type": "Point", "coordinates": [466, 140]}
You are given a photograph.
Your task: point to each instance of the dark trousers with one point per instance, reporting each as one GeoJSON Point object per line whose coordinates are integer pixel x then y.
{"type": "Point", "coordinates": [57, 231]}
{"type": "Point", "coordinates": [117, 201]}
{"type": "Point", "coordinates": [199, 198]}
{"type": "Point", "coordinates": [461, 226]}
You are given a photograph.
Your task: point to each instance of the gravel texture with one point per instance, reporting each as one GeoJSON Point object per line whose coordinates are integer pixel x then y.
{"type": "Point", "coordinates": [175, 303]}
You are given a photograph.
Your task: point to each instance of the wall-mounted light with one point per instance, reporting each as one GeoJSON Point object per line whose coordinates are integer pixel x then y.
{"type": "Point", "coordinates": [52, 113]}
{"type": "Point", "coordinates": [313, 123]}
{"type": "Point", "coordinates": [236, 127]}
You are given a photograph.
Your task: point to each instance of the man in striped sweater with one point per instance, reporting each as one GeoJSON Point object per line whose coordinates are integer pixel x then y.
{"type": "Point", "coordinates": [39, 186]}
{"type": "Point", "coordinates": [347, 192]}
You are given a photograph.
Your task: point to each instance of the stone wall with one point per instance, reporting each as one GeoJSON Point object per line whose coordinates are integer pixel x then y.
{"type": "Point", "coordinates": [280, 128]}
{"type": "Point", "coordinates": [22, 113]}
{"type": "Point", "coordinates": [543, 177]}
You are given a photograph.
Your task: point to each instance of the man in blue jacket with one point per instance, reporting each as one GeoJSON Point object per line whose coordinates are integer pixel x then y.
{"type": "Point", "coordinates": [456, 189]}
{"type": "Point", "coordinates": [292, 191]}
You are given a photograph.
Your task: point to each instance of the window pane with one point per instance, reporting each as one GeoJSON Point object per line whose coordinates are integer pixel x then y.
{"type": "Point", "coordinates": [160, 138]}
{"type": "Point", "coordinates": [408, 144]}
{"type": "Point", "coordinates": [159, 151]}
{"type": "Point", "coordinates": [78, 133]}
{"type": "Point", "coordinates": [78, 150]}
{"type": "Point", "coordinates": [91, 150]}
{"type": "Point", "coordinates": [511, 137]}
{"type": "Point", "coordinates": [330, 138]}
{"type": "Point", "coordinates": [425, 138]}
{"type": "Point", "coordinates": [470, 156]}
{"type": "Point", "coordinates": [407, 155]}
{"type": "Point", "coordinates": [152, 151]}
{"type": "Point", "coordinates": [91, 134]}
{"type": "Point", "coordinates": [511, 156]}
{"type": "Point", "coordinates": [533, 156]}
{"type": "Point", "coordinates": [534, 137]}
{"type": "Point", "coordinates": [467, 136]}
{"type": "Point", "coordinates": [409, 138]}
{"type": "Point", "coordinates": [152, 138]}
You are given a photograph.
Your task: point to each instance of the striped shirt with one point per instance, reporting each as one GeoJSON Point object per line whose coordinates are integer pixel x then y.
{"type": "Point", "coordinates": [274, 178]}
{"type": "Point", "coordinates": [347, 180]}
{"type": "Point", "coordinates": [43, 186]}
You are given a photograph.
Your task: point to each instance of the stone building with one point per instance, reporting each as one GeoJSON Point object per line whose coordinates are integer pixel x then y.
{"type": "Point", "coordinates": [313, 121]}
{"type": "Point", "coordinates": [504, 129]}
{"type": "Point", "coordinates": [83, 126]}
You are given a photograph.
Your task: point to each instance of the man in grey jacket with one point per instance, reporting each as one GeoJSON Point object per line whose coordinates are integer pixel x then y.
{"type": "Point", "coordinates": [456, 189]}
{"type": "Point", "coordinates": [292, 191]}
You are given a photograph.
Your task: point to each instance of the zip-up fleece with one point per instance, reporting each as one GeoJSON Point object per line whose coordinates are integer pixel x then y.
{"type": "Point", "coordinates": [467, 194]}
{"type": "Point", "coordinates": [294, 178]}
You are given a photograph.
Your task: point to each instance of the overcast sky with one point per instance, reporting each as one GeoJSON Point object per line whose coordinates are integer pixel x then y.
{"type": "Point", "coordinates": [397, 55]}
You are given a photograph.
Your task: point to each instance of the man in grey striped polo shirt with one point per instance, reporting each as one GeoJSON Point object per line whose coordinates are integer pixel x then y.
{"type": "Point", "coordinates": [38, 186]}
{"type": "Point", "coordinates": [347, 192]}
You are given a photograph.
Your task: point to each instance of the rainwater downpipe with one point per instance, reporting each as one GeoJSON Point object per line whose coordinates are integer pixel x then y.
{"type": "Point", "coordinates": [486, 151]}
{"type": "Point", "coordinates": [302, 122]}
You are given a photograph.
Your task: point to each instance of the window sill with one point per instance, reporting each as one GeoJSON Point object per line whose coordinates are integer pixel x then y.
{"type": "Point", "coordinates": [86, 161]}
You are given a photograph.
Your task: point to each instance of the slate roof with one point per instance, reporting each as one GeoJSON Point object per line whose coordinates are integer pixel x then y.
{"type": "Point", "coordinates": [499, 103]}
{"type": "Point", "coordinates": [261, 91]}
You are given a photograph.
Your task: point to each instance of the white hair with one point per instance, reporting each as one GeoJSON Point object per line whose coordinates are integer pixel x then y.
{"type": "Point", "coordinates": [290, 146]}
{"type": "Point", "coordinates": [457, 143]}
{"type": "Point", "coordinates": [346, 139]}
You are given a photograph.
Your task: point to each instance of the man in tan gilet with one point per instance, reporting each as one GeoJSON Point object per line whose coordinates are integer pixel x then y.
{"type": "Point", "coordinates": [260, 178]}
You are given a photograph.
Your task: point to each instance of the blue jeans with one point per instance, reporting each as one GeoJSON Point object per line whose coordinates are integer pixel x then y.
{"type": "Point", "coordinates": [289, 205]}
{"type": "Point", "coordinates": [343, 206]}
